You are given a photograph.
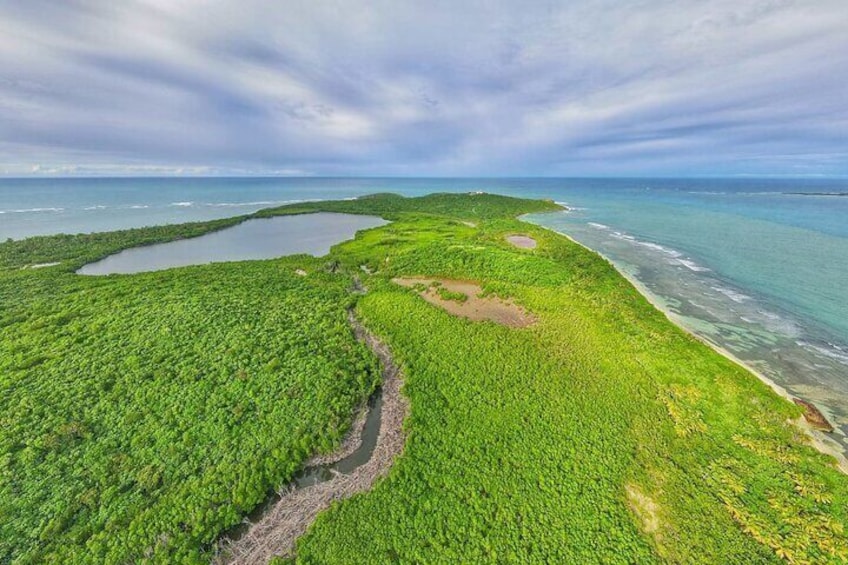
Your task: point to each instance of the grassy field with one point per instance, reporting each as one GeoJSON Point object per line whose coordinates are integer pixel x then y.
{"type": "Point", "coordinates": [144, 414]}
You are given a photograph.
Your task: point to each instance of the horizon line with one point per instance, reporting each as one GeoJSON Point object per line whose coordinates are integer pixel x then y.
{"type": "Point", "coordinates": [433, 177]}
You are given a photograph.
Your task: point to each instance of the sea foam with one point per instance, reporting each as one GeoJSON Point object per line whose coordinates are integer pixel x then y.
{"type": "Point", "coordinates": [31, 210]}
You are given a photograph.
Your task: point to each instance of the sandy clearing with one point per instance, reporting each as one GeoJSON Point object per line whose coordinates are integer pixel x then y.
{"type": "Point", "coordinates": [522, 241]}
{"type": "Point", "coordinates": [644, 507]}
{"type": "Point", "coordinates": [475, 307]}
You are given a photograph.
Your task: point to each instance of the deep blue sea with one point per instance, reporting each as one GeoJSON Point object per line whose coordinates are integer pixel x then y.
{"type": "Point", "coordinates": [747, 264]}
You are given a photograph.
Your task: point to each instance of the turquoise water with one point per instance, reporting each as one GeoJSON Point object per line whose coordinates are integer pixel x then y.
{"type": "Point", "coordinates": [745, 263]}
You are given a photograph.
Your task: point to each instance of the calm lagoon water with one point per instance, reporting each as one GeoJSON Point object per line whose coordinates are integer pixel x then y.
{"type": "Point", "coordinates": [313, 234]}
{"type": "Point", "coordinates": [745, 263]}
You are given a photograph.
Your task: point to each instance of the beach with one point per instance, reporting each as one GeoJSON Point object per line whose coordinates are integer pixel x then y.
{"type": "Point", "coordinates": [824, 442]}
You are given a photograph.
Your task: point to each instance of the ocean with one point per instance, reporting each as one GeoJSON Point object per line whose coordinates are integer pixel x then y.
{"type": "Point", "coordinates": [758, 267]}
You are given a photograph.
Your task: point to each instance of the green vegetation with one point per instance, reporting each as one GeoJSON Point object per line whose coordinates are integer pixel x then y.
{"type": "Point", "coordinates": [446, 294]}
{"type": "Point", "coordinates": [600, 434]}
{"type": "Point", "coordinates": [76, 250]}
{"type": "Point", "coordinates": [144, 414]}
{"type": "Point", "coordinates": [457, 206]}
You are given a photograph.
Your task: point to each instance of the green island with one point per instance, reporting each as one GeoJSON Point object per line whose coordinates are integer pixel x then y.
{"type": "Point", "coordinates": [145, 415]}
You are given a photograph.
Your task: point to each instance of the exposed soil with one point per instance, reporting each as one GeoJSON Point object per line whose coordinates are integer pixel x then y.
{"type": "Point", "coordinates": [644, 507]}
{"type": "Point", "coordinates": [813, 416]}
{"type": "Point", "coordinates": [522, 241]}
{"type": "Point", "coordinates": [277, 531]}
{"type": "Point", "coordinates": [474, 307]}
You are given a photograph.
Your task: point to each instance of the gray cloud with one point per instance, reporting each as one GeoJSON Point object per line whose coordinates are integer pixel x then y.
{"type": "Point", "coordinates": [472, 88]}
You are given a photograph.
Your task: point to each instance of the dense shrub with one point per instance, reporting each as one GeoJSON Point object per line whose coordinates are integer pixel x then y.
{"type": "Point", "coordinates": [142, 415]}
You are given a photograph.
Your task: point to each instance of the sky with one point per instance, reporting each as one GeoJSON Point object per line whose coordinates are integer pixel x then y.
{"type": "Point", "coordinates": [337, 88]}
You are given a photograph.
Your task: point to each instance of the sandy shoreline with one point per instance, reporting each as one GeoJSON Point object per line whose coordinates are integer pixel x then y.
{"type": "Point", "coordinates": [817, 439]}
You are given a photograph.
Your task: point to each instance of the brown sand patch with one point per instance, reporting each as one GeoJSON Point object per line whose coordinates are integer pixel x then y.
{"type": "Point", "coordinates": [813, 415]}
{"type": "Point", "coordinates": [522, 241]}
{"type": "Point", "coordinates": [474, 306]}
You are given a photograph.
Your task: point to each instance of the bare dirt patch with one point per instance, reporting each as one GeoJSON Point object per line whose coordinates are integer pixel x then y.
{"type": "Point", "coordinates": [649, 517]}
{"type": "Point", "coordinates": [813, 415]}
{"type": "Point", "coordinates": [644, 508]}
{"type": "Point", "coordinates": [522, 241]}
{"type": "Point", "coordinates": [463, 298]}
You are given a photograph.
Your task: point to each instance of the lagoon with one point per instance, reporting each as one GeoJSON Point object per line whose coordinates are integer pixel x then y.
{"type": "Point", "coordinates": [269, 238]}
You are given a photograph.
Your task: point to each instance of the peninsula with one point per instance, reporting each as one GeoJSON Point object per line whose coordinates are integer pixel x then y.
{"type": "Point", "coordinates": [549, 412]}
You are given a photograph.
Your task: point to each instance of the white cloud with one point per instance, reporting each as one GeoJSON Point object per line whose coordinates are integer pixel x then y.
{"type": "Point", "coordinates": [591, 86]}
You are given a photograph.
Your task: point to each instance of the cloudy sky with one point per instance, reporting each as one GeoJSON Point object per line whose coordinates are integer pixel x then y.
{"type": "Point", "coordinates": [312, 87]}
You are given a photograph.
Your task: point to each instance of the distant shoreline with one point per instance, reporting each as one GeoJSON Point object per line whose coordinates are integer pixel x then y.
{"type": "Point", "coordinates": [816, 193]}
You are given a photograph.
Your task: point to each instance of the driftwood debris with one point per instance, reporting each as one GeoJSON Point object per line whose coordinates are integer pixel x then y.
{"type": "Point", "coordinates": [277, 531]}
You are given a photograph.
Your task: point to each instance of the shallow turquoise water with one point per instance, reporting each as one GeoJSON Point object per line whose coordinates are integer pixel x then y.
{"type": "Point", "coordinates": [744, 263]}
{"type": "Point", "coordinates": [757, 271]}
